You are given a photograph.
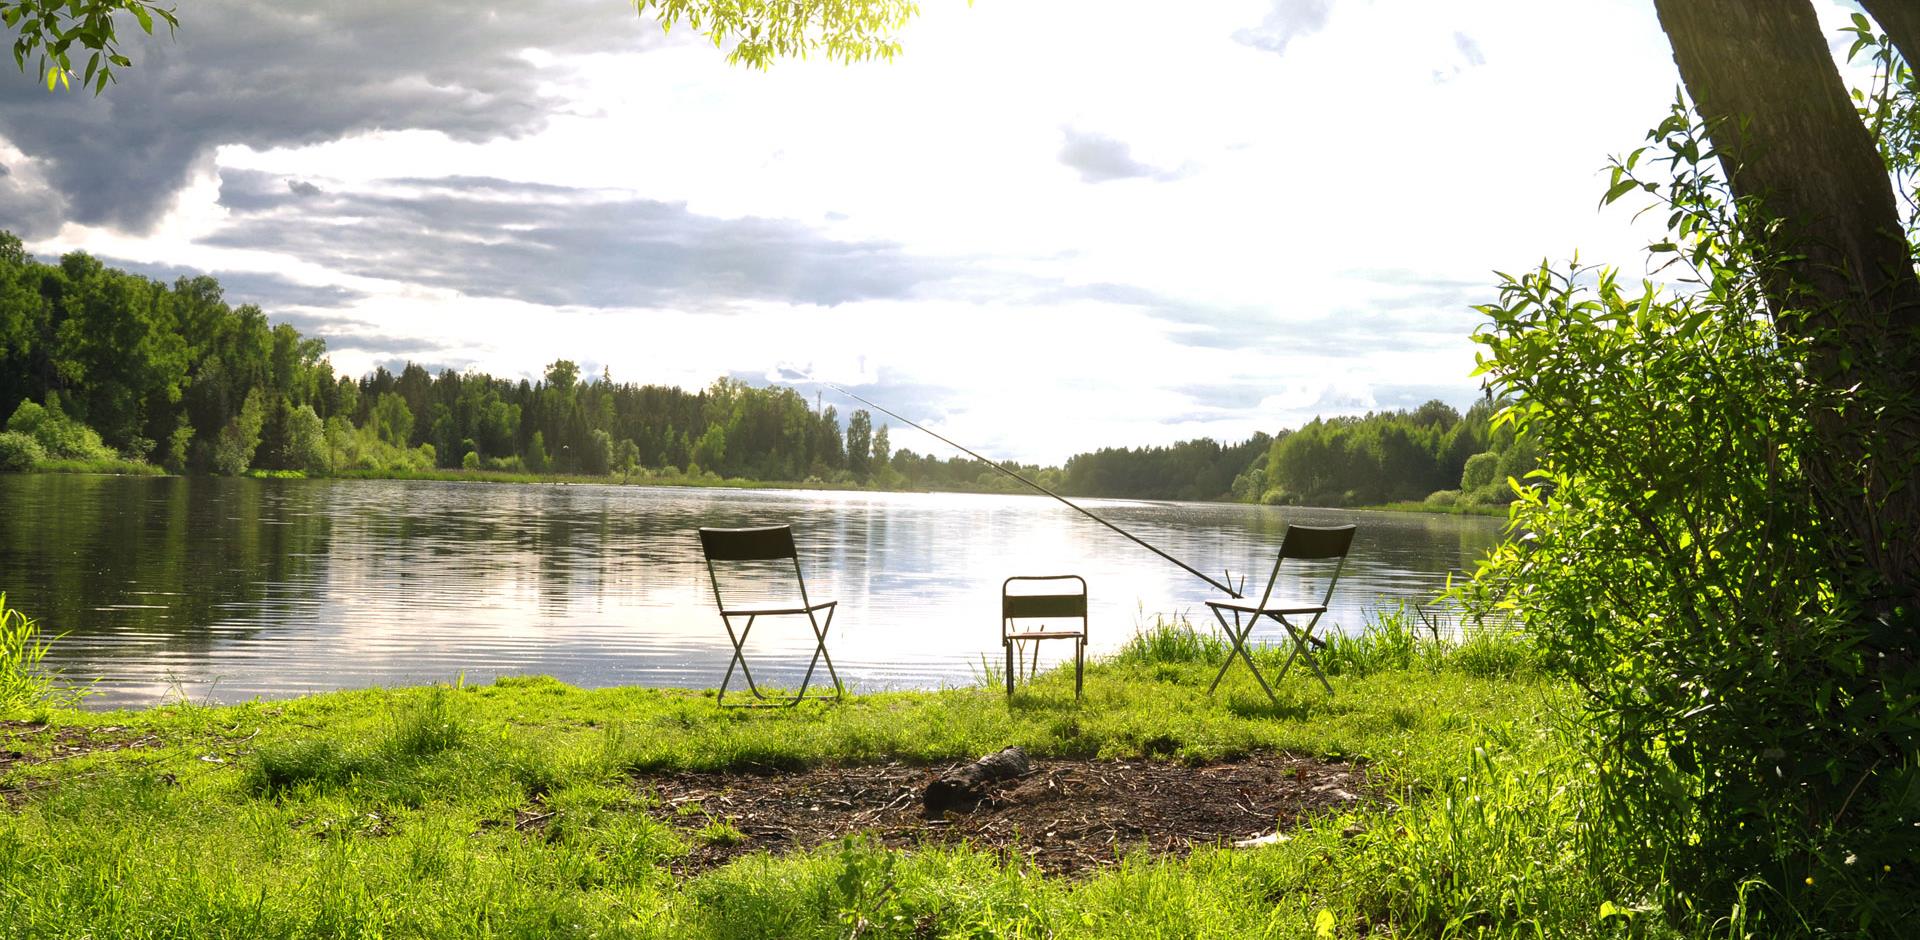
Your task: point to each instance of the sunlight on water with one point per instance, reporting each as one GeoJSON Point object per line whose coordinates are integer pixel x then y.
{"type": "Point", "coordinates": [225, 590]}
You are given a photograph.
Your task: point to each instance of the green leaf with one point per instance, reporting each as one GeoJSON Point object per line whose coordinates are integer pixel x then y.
{"type": "Point", "coordinates": [1323, 923]}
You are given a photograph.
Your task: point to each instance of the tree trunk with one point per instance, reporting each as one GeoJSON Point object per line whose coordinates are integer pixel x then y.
{"type": "Point", "coordinates": [1900, 20]}
{"type": "Point", "coordinates": [1761, 73]}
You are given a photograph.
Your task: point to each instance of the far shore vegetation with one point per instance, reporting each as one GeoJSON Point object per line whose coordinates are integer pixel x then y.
{"type": "Point", "coordinates": [110, 372]}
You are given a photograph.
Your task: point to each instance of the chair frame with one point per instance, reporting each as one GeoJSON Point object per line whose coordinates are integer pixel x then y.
{"type": "Point", "coordinates": [1304, 543]}
{"type": "Point", "coordinates": [1043, 606]}
{"type": "Point", "coordinates": [766, 543]}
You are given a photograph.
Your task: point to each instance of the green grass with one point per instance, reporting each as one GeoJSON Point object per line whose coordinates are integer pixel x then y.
{"type": "Point", "coordinates": [1453, 509]}
{"type": "Point", "coordinates": [116, 465]}
{"type": "Point", "coordinates": [391, 813]}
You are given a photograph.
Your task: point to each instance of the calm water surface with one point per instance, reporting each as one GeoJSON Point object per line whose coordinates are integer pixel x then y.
{"type": "Point", "coordinates": [225, 590]}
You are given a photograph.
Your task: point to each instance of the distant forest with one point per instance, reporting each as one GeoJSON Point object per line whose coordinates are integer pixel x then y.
{"type": "Point", "coordinates": [103, 368]}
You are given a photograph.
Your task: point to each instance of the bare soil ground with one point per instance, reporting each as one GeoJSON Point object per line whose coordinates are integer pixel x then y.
{"type": "Point", "coordinates": [26, 744]}
{"type": "Point", "coordinates": [1067, 816]}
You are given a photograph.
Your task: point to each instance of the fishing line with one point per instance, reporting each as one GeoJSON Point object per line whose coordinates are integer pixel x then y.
{"type": "Point", "coordinates": [1009, 471]}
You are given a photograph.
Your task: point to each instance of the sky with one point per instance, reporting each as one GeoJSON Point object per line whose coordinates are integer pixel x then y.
{"type": "Point", "coordinates": [1049, 226]}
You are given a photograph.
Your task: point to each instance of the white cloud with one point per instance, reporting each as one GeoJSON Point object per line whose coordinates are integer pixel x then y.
{"type": "Point", "coordinates": [1321, 196]}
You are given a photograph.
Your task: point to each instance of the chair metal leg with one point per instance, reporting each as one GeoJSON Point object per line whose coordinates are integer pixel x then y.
{"type": "Point", "coordinates": [1302, 637]}
{"type": "Point", "coordinates": [1008, 645]}
{"type": "Point", "coordinates": [740, 658]}
{"type": "Point", "coordinates": [1079, 665]}
{"type": "Point", "coordinates": [1238, 636]}
{"type": "Point", "coordinates": [1232, 631]}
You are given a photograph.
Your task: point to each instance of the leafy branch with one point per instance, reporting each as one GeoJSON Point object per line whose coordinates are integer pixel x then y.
{"type": "Point", "coordinates": [53, 32]}
{"type": "Point", "coordinates": [765, 30]}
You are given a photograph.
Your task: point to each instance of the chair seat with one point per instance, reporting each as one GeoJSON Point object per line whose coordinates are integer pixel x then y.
{"type": "Point", "coordinates": [1252, 608]}
{"type": "Point", "coordinates": [769, 610]}
{"type": "Point", "coordinates": [1047, 635]}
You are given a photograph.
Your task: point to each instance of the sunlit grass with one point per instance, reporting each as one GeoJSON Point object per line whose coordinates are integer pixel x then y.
{"type": "Point", "coordinates": [511, 810]}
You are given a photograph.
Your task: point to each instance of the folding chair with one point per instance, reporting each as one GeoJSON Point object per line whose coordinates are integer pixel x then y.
{"type": "Point", "coordinates": [1301, 543]}
{"type": "Point", "coordinates": [1055, 607]}
{"type": "Point", "coordinates": [771, 543]}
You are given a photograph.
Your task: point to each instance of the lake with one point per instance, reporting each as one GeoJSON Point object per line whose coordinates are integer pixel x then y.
{"type": "Point", "coordinates": [229, 589]}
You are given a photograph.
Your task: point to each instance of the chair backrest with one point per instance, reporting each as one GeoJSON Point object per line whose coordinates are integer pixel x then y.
{"type": "Point", "coordinates": [1306, 543]}
{"type": "Point", "coordinates": [766, 543]}
{"type": "Point", "coordinates": [763, 543]}
{"type": "Point", "coordinates": [1035, 606]}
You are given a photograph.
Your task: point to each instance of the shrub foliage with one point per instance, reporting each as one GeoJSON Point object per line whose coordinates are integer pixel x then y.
{"type": "Point", "coordinates": [1748, 737]}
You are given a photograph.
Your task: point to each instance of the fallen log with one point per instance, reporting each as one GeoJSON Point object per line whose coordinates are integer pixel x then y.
{"type": "Point", "coordinates": [967, 785]}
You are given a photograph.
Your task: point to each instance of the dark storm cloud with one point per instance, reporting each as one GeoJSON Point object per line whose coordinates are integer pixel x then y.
{"type": "Point", "coordinates": [290, 74]}
{"type": "Point", "coordinates": [26, 210]}
{"type": "Point", "coordinates": [267, 291]}
{"type": "Point", "coordinates": [553, 245]}
{"type": "Point", "coordinates": [1287, 21]}
{"type": "Point", "coordinates": [1100, 159]}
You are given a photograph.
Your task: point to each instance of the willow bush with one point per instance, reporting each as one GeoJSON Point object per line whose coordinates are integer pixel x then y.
{"type": "Point", "coordinates": [1670, 560]}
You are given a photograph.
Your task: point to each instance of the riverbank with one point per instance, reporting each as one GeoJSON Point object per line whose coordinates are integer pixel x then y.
{"type": "Point", "coordinates": [530, 808]}
{"type": "Point", "coordinates": [656, 478]}
{"type": "Point", "coordinates": [1447, 509]}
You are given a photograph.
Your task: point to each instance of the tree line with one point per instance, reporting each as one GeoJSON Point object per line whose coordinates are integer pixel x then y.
{"type": "Point", "coordinates": [106, 368]}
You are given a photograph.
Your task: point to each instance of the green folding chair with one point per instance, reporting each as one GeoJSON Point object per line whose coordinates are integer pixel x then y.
{"type": "Point", "coordinates": [767, 544]}
{"type": "Point", "coordinates": [1056, 610]}
{"type": "Point", "coordinates": [1303, 543]}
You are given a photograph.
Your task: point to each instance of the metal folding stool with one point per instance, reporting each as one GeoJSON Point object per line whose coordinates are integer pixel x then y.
{"type": "Point", "coordinates": [1300, 543]}
{"type": "Point", "coordinates": [1054, 607]}
{"type": "Point", "coordinates": [769, 543]}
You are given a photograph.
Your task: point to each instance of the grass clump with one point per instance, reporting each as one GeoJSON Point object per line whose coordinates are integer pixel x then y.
{"type": "Point", "coordinates": [311, 764]}
{"type": "Point", "coordinates": [24, 685]}
{"type": "Point", "coordinates": [427, 725]}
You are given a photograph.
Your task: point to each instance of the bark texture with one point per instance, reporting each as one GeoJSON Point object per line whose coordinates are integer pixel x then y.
{"type": "Point", "coordinates": [1762, 74]}
{"type": "Point", "coordinates": [1900, 20]}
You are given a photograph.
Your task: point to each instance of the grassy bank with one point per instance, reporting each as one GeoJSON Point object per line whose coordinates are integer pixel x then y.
{"type": "Point", "coordinates": [393, 812]}
{"type": "Point", "coordinates": [1444, 509]}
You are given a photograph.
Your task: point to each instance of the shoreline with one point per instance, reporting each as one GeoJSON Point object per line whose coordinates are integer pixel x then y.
{"type": "Point", "coordinates": [498, 477]}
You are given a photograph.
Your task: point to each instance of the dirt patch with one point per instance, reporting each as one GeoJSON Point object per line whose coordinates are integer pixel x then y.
{"type": "Point", "coordinates": [1067, 816]}
{"type": "Point", "coordinates": [29, 744]}
{"type": "Point", "coordinates": [60, 744]}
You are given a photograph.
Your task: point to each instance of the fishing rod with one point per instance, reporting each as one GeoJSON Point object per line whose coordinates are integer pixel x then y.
{"type": "Point", "coordinates": [1009, 471]}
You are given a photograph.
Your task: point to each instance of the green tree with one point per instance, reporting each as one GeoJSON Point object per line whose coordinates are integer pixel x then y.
{"type": "Point", "coordinates": [1798, 157]}
{"type": "Point", "coordinates": [1721, 550]}
{"type": "Point", "coordinates": [598, 458]}
{"type": "Point", "coordinates": [536, 458]}
{"type": "Point", "coordinates": [711, 450]}
{"type": "Point", "coordinates": [392, 420]}
{"type": "Point", "coordinates": [234, 448]}
{"type": "Point", "coordinates": [882, 449]}
{"type": "Point", "coordinates": [306, 437]}
{"type": "Point", "coordinates": [626, 457]}
{"type": "Point", "coordinates": [860, 444]}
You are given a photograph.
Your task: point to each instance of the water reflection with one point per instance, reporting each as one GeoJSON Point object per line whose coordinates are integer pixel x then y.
{"type": "Point", "coordinates": [229, 589]}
